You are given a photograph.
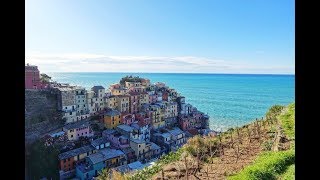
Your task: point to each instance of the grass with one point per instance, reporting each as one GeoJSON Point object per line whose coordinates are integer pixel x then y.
{"type": "Point", "coordinates": [287, 121]}
{"type": "Point", "coordinates": [289, 174]}
{"type": "Point", "coordinates": [268, 165]}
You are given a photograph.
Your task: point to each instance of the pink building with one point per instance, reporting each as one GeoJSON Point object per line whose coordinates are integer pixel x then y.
{"type": "Point", "coordinates": [184, 123]}
{"type": "Point", "coordinates": [32, 78]}
{"type": "Point", "coordinates": [143, 118]}
{"type": "Point", "coordinates": [134, 101]}
{"type": "Point", "coordinates": [145, 82]}
{"type": "Point", "coordinates": [76, 130]}
{"type": "Point", "coordinates": [127, 118]}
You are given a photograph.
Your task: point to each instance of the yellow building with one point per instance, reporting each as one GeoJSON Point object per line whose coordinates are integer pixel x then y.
{"type": "Point", "coordinates": [142, 149]}
{"type": "Point", "coordinates": [111, 119]}
{"type": "Point", "coordinates": [132, 84]}
{"type": "Point", "coordinates": [123, 103]}
{"type": "Point", "coordinates": [144, 98]}
{"type": "Point", "coordinates": [157, 116]}
{"type": "Point", "coordinates": [112, 102]}
{"type": "Point", "coordinates": [119, 91]}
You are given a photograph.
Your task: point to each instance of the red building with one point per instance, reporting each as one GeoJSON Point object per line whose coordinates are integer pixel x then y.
{"type": "Point", "coordinates": [32, 78]}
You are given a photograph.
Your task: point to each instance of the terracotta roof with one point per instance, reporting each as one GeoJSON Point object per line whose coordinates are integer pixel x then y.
{"type": "Point", "coordinates": [193, 131]}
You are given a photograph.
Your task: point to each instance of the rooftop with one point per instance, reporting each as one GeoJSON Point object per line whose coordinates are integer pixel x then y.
{"type": "Point", "coordinates": [120, 88]}
{"type": "Point", "coordinates": [165, 135]}
{"type": "Point", "coordinates": [96, 88]}
{"type": "Point", "coordinates": [127, 150]}
{"type": "Point", "coordinates": [109, 131]}
{"type": "Point", "coordinates": [78, 124]}
{"type": "Point", "coordinates": [175, 131]}
{"type": "Point", "coordinates": [112, 113]}
{"type": "Point", "coordinates": [136, 165]}
{"type": "Point", "coordinates": [68, 88]}
{"type": "Point", "coordinates": [138, 141]}
{"type": "Point", "coordinates": [125, 127]}
{"type": "Point", "coordinates": [193, 131]}
{"type": "Point", "coordinates": [57, 134]}
{"type": "Point", "coordinates": [136, 126]}
{"type": "Point", "coordinates": [104, 154]}
{"type": "Point", "coordinates": [75, 152]}
{"type": "Point", "coordinates": [154, 146]}
{"type": "Point", "coordinates": [99, 141]}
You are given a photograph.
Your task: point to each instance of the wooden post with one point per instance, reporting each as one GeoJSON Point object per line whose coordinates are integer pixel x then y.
{"type": "Point", "coordinates": [186, 163]}
{"type": "Point", "coordinates": [162, 174]}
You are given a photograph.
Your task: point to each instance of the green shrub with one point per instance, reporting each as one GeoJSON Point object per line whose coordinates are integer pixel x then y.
{"type": "Point", "coordinates": [267, 166]}
{"type": "Point", "coordinates": [287, 121]}
{"type": "Point", "coordinates": [289, 174]}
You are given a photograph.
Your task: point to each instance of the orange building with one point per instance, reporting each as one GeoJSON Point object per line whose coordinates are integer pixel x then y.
{"type": "Point", "coordinates": [67, 160]}
{"type": "Point", "coordinates": [112, 119]}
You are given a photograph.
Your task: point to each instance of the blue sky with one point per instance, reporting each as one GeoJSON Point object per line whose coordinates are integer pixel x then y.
{"type": "Point", "coordinates": [199, 36]}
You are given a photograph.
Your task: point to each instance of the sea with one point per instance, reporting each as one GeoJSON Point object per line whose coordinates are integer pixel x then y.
{"type": "Point", "coordinates": [231, 100]}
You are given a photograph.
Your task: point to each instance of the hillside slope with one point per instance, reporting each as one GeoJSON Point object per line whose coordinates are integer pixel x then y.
{"type": "Point", "coordinates": [41, 114]}
{"type": "Point", "coordinates": [263, 149]}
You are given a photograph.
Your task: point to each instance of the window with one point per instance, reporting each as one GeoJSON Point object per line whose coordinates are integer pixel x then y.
{"type": "Point", "coordinates": [82, 100]}
{"type": "Point", "coordinates": [64, 161]}
{"type": "Point", "coordinates": [70, 113]}
{"type": "Point", "coordinates": [72, 136]}
{"type": "Point", "coordinates": [81, 133]}
{"type": "Point", "coordinates": [66, 108]}
{"type": "Point", "coordinates": [139, 145]}
{"type": "Point", "coordinates": [84, 106]}
{"type": "Point", "coordinates": [86, 132]}
{"type": "Point", "coordinates": [119, 116]}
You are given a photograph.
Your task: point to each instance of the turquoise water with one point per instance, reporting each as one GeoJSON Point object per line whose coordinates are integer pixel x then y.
{"type": "Point", "coordinates": [229, 99]}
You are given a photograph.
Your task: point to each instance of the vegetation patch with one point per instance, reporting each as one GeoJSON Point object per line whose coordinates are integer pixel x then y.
{"type": "Point", "coordinates": [289, 173]}
{"type": "Point", "coordinates": [268, 165]}
{"type": "Point", "coordinates": [287, 121]}
{"type": "Point", "coordinates": [42, 161]}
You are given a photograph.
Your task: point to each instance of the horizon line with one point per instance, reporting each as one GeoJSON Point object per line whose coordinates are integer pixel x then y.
{"type": "Point", "coordinates": [175, 73]}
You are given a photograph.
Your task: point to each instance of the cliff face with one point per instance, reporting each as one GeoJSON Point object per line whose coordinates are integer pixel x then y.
{"type": "Point", "coordinates": [41, 113]}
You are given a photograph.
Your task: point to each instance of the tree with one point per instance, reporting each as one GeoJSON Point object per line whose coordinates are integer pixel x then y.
{"type": "Point", "coordinates": [42, 161]}
{"type": "Point", "coordinates": [45, 78]}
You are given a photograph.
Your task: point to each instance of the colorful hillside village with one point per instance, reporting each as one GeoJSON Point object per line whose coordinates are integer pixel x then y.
{"type": "Point", "coordinates": [138, 122]}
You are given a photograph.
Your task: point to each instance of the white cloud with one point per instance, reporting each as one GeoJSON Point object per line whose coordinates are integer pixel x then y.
{"type": "Point", "coordinates": [103, 63]}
